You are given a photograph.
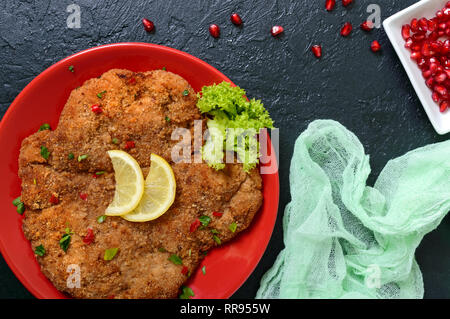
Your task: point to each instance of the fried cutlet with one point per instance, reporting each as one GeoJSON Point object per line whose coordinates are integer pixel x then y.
{"type": "Point", "coordinates": [144, 108]}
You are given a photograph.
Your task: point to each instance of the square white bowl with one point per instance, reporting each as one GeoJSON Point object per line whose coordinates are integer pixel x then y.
{"type": "Point", "coordinates": [393, 28]}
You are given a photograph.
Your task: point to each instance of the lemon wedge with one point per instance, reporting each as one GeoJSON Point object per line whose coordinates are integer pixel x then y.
{"type": "Point", "coordinates": [129, 184]}
{"type": "Point", "coordinates": [159, 192]}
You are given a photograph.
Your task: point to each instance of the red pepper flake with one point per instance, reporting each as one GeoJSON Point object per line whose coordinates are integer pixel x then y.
{"type": "Point", "coordinates": [184, 270]}
{"type": "Point", "coordinates": [54, 200]}
{"type": "Point", "coordinates": [94, 175]}
{"type": "Point", "coordinates": [96, 109]}
{"type": "Point", "coordinates": [83, 196]}
{"type": "Point", "coordinates": [195, 225]}
{"type": "Point", "coordinates": [129, 145]}
{"type": "Point", "coordinates": [89, 238]}
{"type": "Point", "coordinates": [217, 214]}
{"type": "Point", "coordinates": [111, 297]}
{"type": "Point", "coordinates": [132, 81]}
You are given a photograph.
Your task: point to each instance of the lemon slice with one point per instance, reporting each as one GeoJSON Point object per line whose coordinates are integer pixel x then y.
{"type": "Point", "coordinates": [129, 184]}
{"type": "Point", "coordinates": [159, 193]}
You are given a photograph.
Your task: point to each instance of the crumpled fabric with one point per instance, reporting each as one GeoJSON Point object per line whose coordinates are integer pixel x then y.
{"type": "Point", "coordinates": [344, 239]}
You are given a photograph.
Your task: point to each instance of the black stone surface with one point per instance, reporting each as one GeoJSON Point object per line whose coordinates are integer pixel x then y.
{"type": "Point", "coordinates": [369, 93]}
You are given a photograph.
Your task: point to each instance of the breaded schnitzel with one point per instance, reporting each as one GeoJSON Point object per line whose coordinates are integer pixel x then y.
{"type": "Point", "coordinates": [64, 192]}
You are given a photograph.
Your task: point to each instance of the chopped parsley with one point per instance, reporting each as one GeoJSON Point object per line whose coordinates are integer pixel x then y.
{"type": "Point", "coordinates": [204, 253]}
{"type": "Point", "coordinates": [115, 141]}
{"type": "Point", "coordinates": [64, 242]}
{"type": "Point", "coordinates": [100, 173]}
{"type": "Point", "coordinates": [21, 208]}
{"type": "Point", "coordinates": [164, 68]}
{"type": "Point", "coordinates": [232, 227]}
{"type": "Point", "coordinates": [82, 157]}
{"type": "Point", "coordinates": [110, 253]}
{"type": "Point", "coordinates": [71, 156]}
{"type": "Point", "coordinates": [162, 250]}
{"type": "Point", "coordinates": [187, 293]}
{"type": "Point", "coordinates": [100, 95]}
{"type": "Point", "coordinates": [189, 252]}
{"type": "Point", "coordinates": [167, 119]}
{"type": "Point", "coordinates": [44, 127]}
{"type": "Point", "coordinates": [39, 250]}
{"type": "Point", "coordinates": [214, 231]}
{"type": "Point", "coordinates": [45, 153]}
{"type": "Point", "coordinates": [204, 270]}
{"type": "Point", "coordinates": [176, 259]}
{"type": "Point", "coordinates": [17, 201]}
{"type": "Point", "coordinates": [185, 92]}
{"type": "Point", "coordinates": [101, 219]}
{"type": "Point", "coordinates": [71, 69]}
{"type": "Point", "coordinates": [205, 220]}
{"type": "Point", "coordinates": [217, 240]}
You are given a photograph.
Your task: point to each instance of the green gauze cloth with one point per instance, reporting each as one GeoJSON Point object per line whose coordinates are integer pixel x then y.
{"type": "Point", "coordinates": [344, 239]}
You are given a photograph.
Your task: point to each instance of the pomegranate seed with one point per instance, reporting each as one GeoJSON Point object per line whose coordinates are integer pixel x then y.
{"type": "Point", "coordinates": [89, 238]}
{"type": "Point", "coordinates": [83, 196]}
{"type": "Point", "coordinates": [416, 55]}
{"type": "Point", "coordinates": [129, 145]}
{"type": "Point", "coordinates": [346, 29]}
{"type": "Point", "coordinates": [317, 50]}
{"type": "Point", "coordinates": [276, 30]}
{"type": "Point", "coordinates": [346, 3]}
{"type": "Point", "coordinates": [330, 4]}
{"type": "Point", "coordinates": [442, 91]}
{"type": "Point", "coordinates": [423, 24]}
{"type": "Point", "coordinates": [443, 106]}
{"type": "Point", "coordinates": [447, 5]}
{"type": "Point", "coordinates": [214, 30]}
{"type": "Point", "coordinates": [408, 43]}
{"type": "Point", "coordinates": [96, 109]}
{"type": "Point", "coordinates": [426, 74]}
{"type": "Point", "coordinates": [414, 25]}
{"type": "Point", "coordinates": [406, 31]}
{"type": "Point", "coordinates": [440, 77]}
{"type": "Point", "coordinates": [148, 25]}
{"type": "Point", "coordinates": [375, 46]}
{"type": "Point", "coordinates": [236, 19]}
{"type": "Point", "coordinates": [429, 82]}
{"type": "Point", "coordinates": [217, 214]}
{"type": "Point", "coordinates": [195, 225]}
{"type": "Point", "coordinates": [367, 26]}
{"type": "Point", "coordinates": [435, 97]}
{"type": "Point", "coordinates": [54, 200]}
{"type": "Point", "coordinates": [184, 270]}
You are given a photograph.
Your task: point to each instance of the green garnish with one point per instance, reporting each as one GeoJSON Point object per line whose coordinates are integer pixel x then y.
{"type": "Point", "coordinates": [101, 219]}
{"type": "Point", "coordinates": [44, 127]}
{"type": "Point", "coordinates": [204, 253]}
{"type": "Point", "coordinates": [45, 153]}
{"type": "Point", "coordinates": [230, 110]}
{"type": "Point", "coordinates": [204, 270]}
{"type": "Point", "coordinates": [214, 231]}
{"type": "Point", "coordinates": [71, 69]}
{"type": "Point", "coordinates": [187, 293]}
{"type": "Point", "coordinates": [167, 119]}
{"type": "Point", "coordinates": [21, 208]}
{"type": "Point", "coordinates": [164, 68]}
{"type": "Point", "coordinates": [39, 250]}
{"type": "Point", "coordinates": [162, 250]}
{"type": "Point", "coordinates": [100, 173]}
{"type": "Point", "coordinates": [100, 95]}
{"type": "Point", "coordinates": [205, 220]}
{"type": "Point", "coordinates": [64, 242]}
{"type": "Point", "coordinates": [17, 201]}
{"type": "Point", "coordinates": [217, 240]}
{"type": "Point", "coordinates": [175, 259]}
{"type": "Point", "coordinates": [71, 156]}
{"type": "Point", "coordinates": [185, 92]}
{"type": "Point", "coordinates": [82, 157]}
{"type": "Point", "coordinates": [232, 227]}
{"type": "Point", "coordinates": [110, 253]}
{"type": "Point", "coordinates": [34, 181]}
{"type": "Point", "coordinates": [189, 252]}
{"type": "Point", "coordinates": [115, 141]}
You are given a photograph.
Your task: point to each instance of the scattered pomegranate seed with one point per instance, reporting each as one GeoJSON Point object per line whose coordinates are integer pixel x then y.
{"type": "Point", "coordinates": [442, 91]}
{"type": "Point", "coordinates": [330, 4]}
{"type": "Point", "coordinates": [367, 25]}
{"type": "Point", "coordinates": [83, 196]}
{"type": "Point", "coordinates": [317, 50]}
{"type": "Point", "coordinates": [129, 145]}
{"type": "Point", "coordinates": [406, 31]}
{"type": "Point", "coordinates": [346, 3]}
{"type": "Point", "coordinates": [217, 214]}
{"type": "Point", "coordinates": [195, 225]}
{"type": "Point", "coordinates": [236, 19]}
{"type": "Point", "coordinates": [96, 109]}
{"type": "Point", "coordinates": [214, 30]}
{"type": "Point", "coordinates": [375, 46]}
{"type": "Point", "coordinates": [346, 29]}
{"type": "Point", "coordinates": [184, 270]}
{"type": "Point", "coordinates": [89, 238]}
{"type": "Point", "coordinates": [276, 30]}
{"type": "Point", "coordinates": [54, 200]}
{"type": "Point", "coordinates": [435, 97]}
{"type": "Point", "coordinates": [443, 106]}
{"type": "Point", "coordinates": [148, 25]}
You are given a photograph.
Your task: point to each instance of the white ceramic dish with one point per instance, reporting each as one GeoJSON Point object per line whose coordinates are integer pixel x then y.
{"type": "Point", "coordinates": [393, 26]}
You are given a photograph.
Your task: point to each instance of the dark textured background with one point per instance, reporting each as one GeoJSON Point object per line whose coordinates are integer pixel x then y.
{"type": "Point", "coordinates": [369, 93]}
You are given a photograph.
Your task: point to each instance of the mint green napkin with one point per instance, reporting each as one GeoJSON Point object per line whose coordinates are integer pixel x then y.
{"type": "Point", "coordinates": [344, 239]}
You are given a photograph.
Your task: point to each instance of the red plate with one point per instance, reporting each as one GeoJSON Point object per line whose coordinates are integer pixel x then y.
{"type": "Point", "coordinates": [42, 100]}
